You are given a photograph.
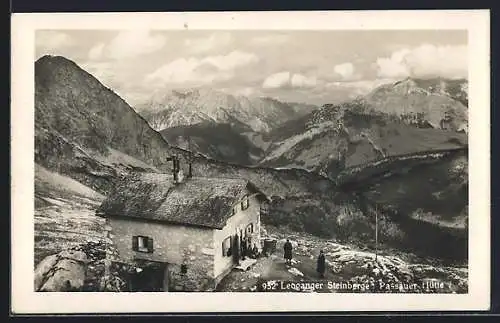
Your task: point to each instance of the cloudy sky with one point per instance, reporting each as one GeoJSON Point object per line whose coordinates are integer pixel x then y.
{"type": "Point", "coordinates": [303, 66]}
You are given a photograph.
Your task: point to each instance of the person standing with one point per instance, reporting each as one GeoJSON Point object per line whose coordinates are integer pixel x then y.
{"type": "Point", "coordinates": [320, 267]}
{"type": "Point", "coordinates": [287, 248]}
{"type": "Point", "coordinates": [244, 248]}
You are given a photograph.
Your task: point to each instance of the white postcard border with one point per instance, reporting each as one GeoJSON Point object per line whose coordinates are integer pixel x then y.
{"type": "Point", "coordinates": [25, 300]}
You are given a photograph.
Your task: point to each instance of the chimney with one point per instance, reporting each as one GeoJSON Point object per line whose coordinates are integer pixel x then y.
{"type": "Point", "coordinates": [176, 168]}
{"type": "Point", "coordinates": [179, 178]}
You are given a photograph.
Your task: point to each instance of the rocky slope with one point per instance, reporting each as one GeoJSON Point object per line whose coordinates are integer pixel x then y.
{"type": "Point", "coordinates": [408, 116]}
{"type": "Point", "coordinates": [442, 103]}
{"type": "Point", "coordinates": [86, 131]}
{"type": "Point", "coordinates": [334, 137]}
{"type": "Point", "coordinates": [192, 106]}
{"type": "Point", "coordinates": [416, 195]}
{"type": "Point", "coordinates": [64, 213]}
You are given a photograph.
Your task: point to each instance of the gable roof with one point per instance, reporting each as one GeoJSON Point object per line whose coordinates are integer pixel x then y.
{"type": "Point", "coordinates": [199, 201]}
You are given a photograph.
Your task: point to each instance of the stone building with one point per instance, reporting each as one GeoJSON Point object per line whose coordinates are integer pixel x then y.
{"type": "Point", "coordinates": [182, 234]}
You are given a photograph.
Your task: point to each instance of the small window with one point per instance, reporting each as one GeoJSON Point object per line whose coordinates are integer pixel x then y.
{"type": "Point", "coordinates": [142, 244]}
{"type": "Point", "coordinates": [250, 228]}
{"type": "Point", "coordinates": [245, 203]}
{"type": "Point", "coordinates": [184, 269]}
{"type": "Point", "coordinates": [233, 210]}
{"type": "Point", "coordinates": [226, 247]}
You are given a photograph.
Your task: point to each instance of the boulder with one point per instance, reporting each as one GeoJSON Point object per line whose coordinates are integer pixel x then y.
{"type": "Point", "coordinates": [78, 256]}
{"type": "Point", "coordinates": [65, 271]}
{"type": "Point", "coordinates": [43, 268]}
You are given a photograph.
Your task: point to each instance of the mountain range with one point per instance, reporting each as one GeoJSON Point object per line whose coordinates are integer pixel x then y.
{"type": "Point", "coordinates": [85, 131]}
{"type": "Point", "coordinates": [187, 107]}
{"type": "Point", "coordinates": [407, 116]}
{"type": "Point", "coordinates": [332, 138]}
{"type": "Point", "coordinates": [441, 103]}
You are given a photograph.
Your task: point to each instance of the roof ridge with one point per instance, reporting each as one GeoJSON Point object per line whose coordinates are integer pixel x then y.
{"type": "Point", "coordinates": [203, 201]}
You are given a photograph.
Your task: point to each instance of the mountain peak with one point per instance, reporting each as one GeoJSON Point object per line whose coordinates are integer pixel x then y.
{"type": "Point", "coordinates": [54, 59]}
{"type": "Point", "coordinates": [436, 98]}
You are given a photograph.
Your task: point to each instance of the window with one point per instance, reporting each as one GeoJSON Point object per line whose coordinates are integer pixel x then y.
{"type": "Point", "coordinates": [245, 203]}
{"type": "Point", "coordinates": [250, 228]}
{"type": "Point", "coordinates": [142, 244]}
{"type": "Point", "coordinates": [184, 269]}
{"type": "Point", "coordinates": [226, 247]}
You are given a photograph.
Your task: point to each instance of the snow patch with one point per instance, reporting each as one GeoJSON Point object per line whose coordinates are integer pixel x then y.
{"type": "Point", "coordinates": [296, 272]}
{"type": "Point", "coordinates": [62, 182]}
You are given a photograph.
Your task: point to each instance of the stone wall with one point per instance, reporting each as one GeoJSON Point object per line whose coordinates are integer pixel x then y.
{"type": "Point", "coordinates": [173, 244]}
{"type": "Point", "coordinates": [222, 264]}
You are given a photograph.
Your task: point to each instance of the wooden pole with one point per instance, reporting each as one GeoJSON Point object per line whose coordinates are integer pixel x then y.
{"type": "Point", "coordinates": [190, 162]}
{"type": "Point", "coordinates": [376, 233]}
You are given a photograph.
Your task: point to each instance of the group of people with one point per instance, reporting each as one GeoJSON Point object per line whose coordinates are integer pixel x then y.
{"type": "Point", "coordinates": [320, 262]}
{"type": "Point", "coordinates": [242, 248]}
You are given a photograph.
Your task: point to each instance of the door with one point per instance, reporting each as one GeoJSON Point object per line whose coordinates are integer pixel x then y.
{"type": "Point", "coordinates": [150, 278]}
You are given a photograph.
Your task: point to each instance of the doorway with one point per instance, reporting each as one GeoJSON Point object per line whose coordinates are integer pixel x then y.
{"type": "Point", "coordinates": [151, 277]}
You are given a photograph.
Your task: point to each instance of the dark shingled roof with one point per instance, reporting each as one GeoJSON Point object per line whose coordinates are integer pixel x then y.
{"type": "Point", "coordinates": [196, 201]}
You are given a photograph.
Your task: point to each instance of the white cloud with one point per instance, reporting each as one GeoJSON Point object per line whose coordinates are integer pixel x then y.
{"type": "Point", "coordinates": [394, 66]}
{"type": "Point", "coordinates": [183, 70]}
{"type": "Point", "coordinates": [202, 45]}
{"type": "Point", "coordinates": [275, 39]}
{"type": "Point", "coordinates": [49, 40]}
{"type": "Point", "coordinates": [358, 87]}
{"type": "Point", "coordinates": [288, 80]}
{"type": "Point", "coordinates": [128, 44]}
{"type": "Point", "coordinates": [277, 80]}
{"type": "Point", "coordinates": [301, 81]}
{"type": "Point", "coordinates": [231, 61]}
{"type": "Point", "coordinates": [202, 71]}
{"type": "Point", "coordinates": [345, 70]}
{"type": "Point", "coordinates": [425, 61]}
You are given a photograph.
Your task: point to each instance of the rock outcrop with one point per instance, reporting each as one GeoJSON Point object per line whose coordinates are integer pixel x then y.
{"type": "Point", "coordinates": [63, 272]}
